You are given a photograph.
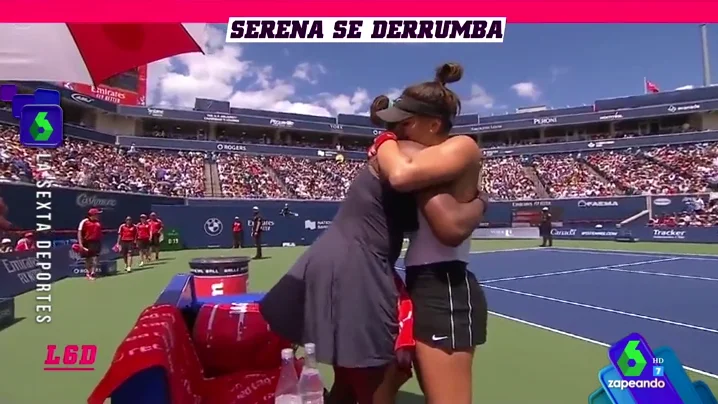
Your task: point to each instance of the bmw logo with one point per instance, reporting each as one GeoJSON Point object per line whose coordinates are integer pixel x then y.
{"type": "Point", "coordinates": [213, 227]}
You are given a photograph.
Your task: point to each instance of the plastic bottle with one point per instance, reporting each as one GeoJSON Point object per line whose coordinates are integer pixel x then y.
{"type": "Point", "coordinates": [287, 391]}
{"type": "Point", "coordinates": [311, 388]}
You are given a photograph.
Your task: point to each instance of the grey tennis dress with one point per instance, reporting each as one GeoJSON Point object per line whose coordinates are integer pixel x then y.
{"type": "Point", "coordinates": [341, 294]}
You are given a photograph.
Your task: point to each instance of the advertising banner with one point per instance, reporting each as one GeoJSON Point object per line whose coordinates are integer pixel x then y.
{"type": "Point", "coordinates": [228, 147]}
{"type": "Point", "coordinates": [18, 270]}
{"type": "Point", "coordinates": [676, 235]}
{"type": "Point", "coordinates": [69, 206]}
{"type": "Point", "coordinates": [207, 225]}
{"type": "Point", "coordinates": [129, 88]}
{"type": "Point", "coordinates": [506, 233]}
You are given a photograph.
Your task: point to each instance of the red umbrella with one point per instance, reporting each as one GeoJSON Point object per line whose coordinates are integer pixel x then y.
{"type": "Point", "coordinates": [89, 53]}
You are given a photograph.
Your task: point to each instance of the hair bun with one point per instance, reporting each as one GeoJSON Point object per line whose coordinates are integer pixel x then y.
{"type": "Point", "coordinates": [380, 103]}
{"type": "Point", "coordinates": [449, 73]}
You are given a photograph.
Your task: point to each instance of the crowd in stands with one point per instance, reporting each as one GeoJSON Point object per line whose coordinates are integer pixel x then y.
{"type": "Point", "coordinates": [567, 177]}
{"type": "Point", "coordinates": [77, 163]}
{"type": "Point", "coordinates": [699, 161]}
{"type": "Point", "coordinates": [315, 179]}
{"type": "Point", "coordinates": [247, 176]}
{"type": "Point", "coordinates": [506, 178]}
{"type": "Point", "coordinates": [633, 171]}
{"type": "Point", "coordinates": [695, 214]}
{"type": "Point", "coordinates": [84, 164]}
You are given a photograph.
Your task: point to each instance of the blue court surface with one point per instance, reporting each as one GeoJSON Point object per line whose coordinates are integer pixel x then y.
{"type": "Point", "coordinates": [600, 296]}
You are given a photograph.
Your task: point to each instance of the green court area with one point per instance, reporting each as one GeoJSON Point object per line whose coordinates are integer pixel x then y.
{"type": "Point", "coordinates": [519, 364]}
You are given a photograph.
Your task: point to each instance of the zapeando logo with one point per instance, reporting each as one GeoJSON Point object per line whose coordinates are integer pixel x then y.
{"type": "Point", "coordinates": [631, 359]}
{"type": "Point", "coordinates": [632, 362]}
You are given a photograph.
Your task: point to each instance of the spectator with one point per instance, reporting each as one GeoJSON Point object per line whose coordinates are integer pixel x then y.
{"type": "Point", "coordinates": [5, 246]}
{"type": "Point", "coordinates": [506, 179]}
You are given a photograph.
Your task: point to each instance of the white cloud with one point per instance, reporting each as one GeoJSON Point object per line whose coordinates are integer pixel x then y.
{"type": "Point", "coordinates": [394, 93]}
{"type": "Point", "coordinates": [527, 89]}
{"type": "Point", "coordinates": [480, 98]}
{"type": "Point", "coordinates": [309, 72]}
{"type": "Point", "coordinates": [686, 87]}
{"type": "Point", "coordinates": [223, 73]}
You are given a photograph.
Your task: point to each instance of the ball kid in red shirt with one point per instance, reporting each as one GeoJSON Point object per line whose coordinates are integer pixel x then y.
{"type": "Point", "coordinates": [126, 237]}
{"type": "Point", "coordinates": [89, 236]}
{"type": "Point", "coordinates": [155, 234]}
{"type": "Point", "coordinates": [143, 239]}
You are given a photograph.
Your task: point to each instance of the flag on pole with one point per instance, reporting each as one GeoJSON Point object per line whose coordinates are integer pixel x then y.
{"type": "Point", "coordinates": [650, 87]}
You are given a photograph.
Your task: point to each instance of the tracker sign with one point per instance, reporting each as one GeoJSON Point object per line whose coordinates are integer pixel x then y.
{"type": "Point", "coordinates": [670, 234]}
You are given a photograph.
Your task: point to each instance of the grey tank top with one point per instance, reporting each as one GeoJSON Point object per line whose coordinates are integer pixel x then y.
{"type": "Point", "coordinates": [374, 215]}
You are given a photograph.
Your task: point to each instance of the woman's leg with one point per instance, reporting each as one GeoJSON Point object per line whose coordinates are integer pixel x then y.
{"type": "Point", "coordinates": [342, 391]}
{"type": "Point", "coordinates": [450, 316]}
{"type": "Point", "coordinates": [445, 377]}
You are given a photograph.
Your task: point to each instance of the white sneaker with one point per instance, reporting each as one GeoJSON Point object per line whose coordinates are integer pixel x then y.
{"type": "Point", "coordinates": [142, 263]}
{"type": "Point", "coordinates": [128, 269]}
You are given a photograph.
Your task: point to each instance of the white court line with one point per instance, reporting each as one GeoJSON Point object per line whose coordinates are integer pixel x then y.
{"type": "Point", "coordinates": [601, 251]}
{"type": "Point", "coordinates": [633, 271]}
{"type": "Point", "coordinates": [508, 250]}
{"type": "Point", "coordinates": [575, 271]}
{"type": "Point", "coordinates": [484, 252]}
{"type": "Point", "coordinates": [584, 339]}
{"type": "Point", "coordinates": [604, 309]}
{"type": "Point", "coordinates": [498, 251]}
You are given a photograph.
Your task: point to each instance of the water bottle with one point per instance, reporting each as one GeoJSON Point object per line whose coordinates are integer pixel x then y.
{"type": "Point", "coordinates": [311, 388]}
{"type": "Point", "coordinates": [287, 391]}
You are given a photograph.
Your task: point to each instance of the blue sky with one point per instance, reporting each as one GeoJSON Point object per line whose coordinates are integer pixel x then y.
{"type": "Point", "coordinates": [550, 64]}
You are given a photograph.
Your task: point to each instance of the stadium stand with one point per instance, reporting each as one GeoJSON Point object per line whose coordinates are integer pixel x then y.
{"type": "Point", "coordinates": [279, 171]}
{"type": "Point", "coordinates": [567, 177]}
{"type": "Point", "coordinates": [246, 176]}
{"type": "Point", "coordinates": [633, 171]}
{"type": "Point", "coordinates": [506, 178]}
{"type": "Point", "coordinates": [315, 179]}
{"type": "Point", "coordinates": [84, 164]}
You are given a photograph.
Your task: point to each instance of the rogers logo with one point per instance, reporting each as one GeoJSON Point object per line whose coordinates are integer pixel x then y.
{"type": "Point", "coordinates": [85, 200]}
{"type": "Point", "coordinates": [231, 147]}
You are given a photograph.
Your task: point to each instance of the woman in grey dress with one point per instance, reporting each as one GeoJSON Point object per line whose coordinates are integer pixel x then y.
{"type": "Point", "coordinates": [341, 294]}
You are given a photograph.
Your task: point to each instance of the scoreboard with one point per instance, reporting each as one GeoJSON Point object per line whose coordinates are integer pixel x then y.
{"type": "Point", "coordinates": [527, 216]}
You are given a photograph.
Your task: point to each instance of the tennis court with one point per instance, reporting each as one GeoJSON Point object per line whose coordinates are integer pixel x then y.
{"type": "Point", "coordinates": [553, 311]}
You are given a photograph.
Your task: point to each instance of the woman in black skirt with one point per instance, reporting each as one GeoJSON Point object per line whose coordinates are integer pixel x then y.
{"type": "Point", "coordinates": [341, 294]}
{"type": "Point", "coordinates": [450, 312]}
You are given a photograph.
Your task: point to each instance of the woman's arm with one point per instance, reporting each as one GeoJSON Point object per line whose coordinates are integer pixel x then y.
{"type": "Point", "coordinates": [450, 221]}
{"type": "Point", "coordinates": [431, 166]}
